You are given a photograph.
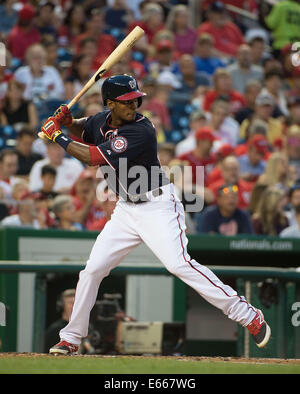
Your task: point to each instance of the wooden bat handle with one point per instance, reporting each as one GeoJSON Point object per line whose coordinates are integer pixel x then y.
{"type": "Point", "coordinates": [112, 59]}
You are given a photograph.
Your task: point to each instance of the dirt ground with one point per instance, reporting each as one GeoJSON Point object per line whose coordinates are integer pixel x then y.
{"type": "Point", "coordinates": [179, 358]}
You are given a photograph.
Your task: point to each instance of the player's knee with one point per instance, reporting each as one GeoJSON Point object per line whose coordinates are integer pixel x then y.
{"type": "Point", "coordinates": [95, 271]}
{"type": "Point", "coordinates": [172, 265]}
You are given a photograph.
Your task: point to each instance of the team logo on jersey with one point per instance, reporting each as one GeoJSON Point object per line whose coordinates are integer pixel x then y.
{"type": "Point", "coordinates": [119, 144]}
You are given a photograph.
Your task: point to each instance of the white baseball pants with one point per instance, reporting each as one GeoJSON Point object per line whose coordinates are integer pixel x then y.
{"type": "Point", "coordinates": [160, 224]}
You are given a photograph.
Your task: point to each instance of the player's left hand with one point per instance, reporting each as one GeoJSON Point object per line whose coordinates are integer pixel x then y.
{"type": "Point", "coordinates": [51, 128]}
{"type": "Point", "coordinates": [63, 115]}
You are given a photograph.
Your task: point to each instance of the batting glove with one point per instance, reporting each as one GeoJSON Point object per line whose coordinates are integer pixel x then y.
{"type": "Point", "coordinates": [51, 128]}
{"type": "Point", "coordinates": [63, 115]}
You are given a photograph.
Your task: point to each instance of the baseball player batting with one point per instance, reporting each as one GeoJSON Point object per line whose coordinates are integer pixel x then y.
{"type": "Point", "coordinates": [153, 214]}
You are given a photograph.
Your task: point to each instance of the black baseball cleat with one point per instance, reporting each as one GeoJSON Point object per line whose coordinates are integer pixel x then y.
{"type": "Point", "coordinates": [64, 348]}
{"type": "Point", "coordinates": [259, 330]}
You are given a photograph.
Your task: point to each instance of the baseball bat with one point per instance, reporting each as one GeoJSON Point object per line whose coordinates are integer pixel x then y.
{"type": "Point", "coordinates": [112, 59]}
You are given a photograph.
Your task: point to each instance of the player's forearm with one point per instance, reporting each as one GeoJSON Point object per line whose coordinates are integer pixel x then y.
{"type": "Point", "coordinates": [89, 155]}
{"type": "Point", "coordinates": [80, 152]}
{"type": "Point", "coordinates": [77, 127]}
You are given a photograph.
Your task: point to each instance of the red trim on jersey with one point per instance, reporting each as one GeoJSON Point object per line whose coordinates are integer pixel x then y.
{"type": "Point", "coordinates": [97, 159]}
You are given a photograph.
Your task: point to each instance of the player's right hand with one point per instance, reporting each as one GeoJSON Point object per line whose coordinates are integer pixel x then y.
{"type": "Point", "coordinates": [63, 115]}
{"type": "Point", "coordinates": [51, 128]}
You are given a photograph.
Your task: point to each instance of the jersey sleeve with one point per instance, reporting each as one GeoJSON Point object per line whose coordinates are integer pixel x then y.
{"type": "Point", "coordinates": [128, 145]}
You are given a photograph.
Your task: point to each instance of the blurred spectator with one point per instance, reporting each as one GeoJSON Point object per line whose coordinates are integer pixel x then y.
{"type": "Point", "coordinates": [80, 74]}
{"type": "Point", "coordinates": [26, 158]}
{"type": "Point", "coordinates": [294, 111]}
{"type": "Point", "coordinates": [230, 174]}
{"type": "Point", "coordinates": [40, 81]}
{"type": "Point", "coordinates": [277, 173]}
{"type": "Point", "coordinates": [228, 37]}
{"type": "Point", "coordinates": [258, 49]}
{"type": "Point", "coordinates": [127, 65]}
{"type": "Point", "coordinates": [5, 76]}
{"type": "Point", "coordinates": [72, 26]}
{"type": "Point", "coordinates": [45, 21]}
{"type": "Point", "coordinates": [191, 84]}
{"type": "Point", "coordinates": [223, 88]}
{"type": "Point", "coordinates": [94, 27]}
{"type": "Point", "coordinates": [65, 307]}
{"type": "Point", "coordinates": [26, 215]}
{"type": "Point", "coordinates": [197, 120]}
{"type": "Point", "coordinates": [166, 153]}
{"type": "Point", "coordinates": [153, 102]}
{"type": "Point", "coordinates": [272, 63]}
{"type": "Point", "coordinates": [252, 89]}
{"type": "Point", "coordinates": [16, 110]}
{"type": "Point", "coordinates": [225, 217]}
{"type": "Point", "coordinates": [294, 201]}
{"type": "Point", "coordinates": [48, 176]}
{"type": "Point", "coordinates": [256, 196]}
{"type": "Point", "coordinates": [243, 21]}
{"type": "Point", "coordinates": [204, 58]}
{"type": "Point", "coordinates": [152, 20]}
{"type": "Point", "coordinates": [255, 126]}
{"type": "Point", "coordinates": [24, 33]}
{"type": "Point", "coordinates": [93, 108]}
{"type": "Point", "coordinates": [118, 15]}
{"type": "Point", "coordinates": [163, 61]}
{"type": "Point", "coordinates": [178, 22]}
{"type": "Point", "coordinates": [273, 80]}
{"type": "Point", "coordinates": [87, 208]}
{"type": "Point", "coordinates": [220, 154]}
{"type": "Point", "coordinates": [243, 70]}
{"type": "Point", "coordinates": [201, 156]}
{"type": "Point", "coordinates": [294, 91]}
{"type": "Point", "coordinates": [252, 164]}
{"type": "Point", "coordinates": [19, 189]}
{"type": "Point", "coordinates": [64, 210]}
{"type": "Point", "coordinates": [189, 78]}
{"type": "Point", "coordinates": [8, 17]}
{"type": "Point", "coordinates": [264, 107]}
{"type": "Point", "coordinates": [269, 219]}
{"type": "Point", "coordinates": [293, 231]}
{"type": "Point", "coordinates": [283, 20]}
{"type": "Point", "coordinates": [8, 171]}
{"type": "Point", "coordinates": [160, 35]}
{"type": "Point", "coordinates": [107, 200]}
{"type": "Point", "coordinates": [51, 47]}
{"type": "Point", "coordinates": [89, 47]}
{"type": "Point", "coordinates": [224, 127]}
{"type": "Point", "coordinates": [293, 149]}
{"type": "Point", "coordinates": [68, 170]}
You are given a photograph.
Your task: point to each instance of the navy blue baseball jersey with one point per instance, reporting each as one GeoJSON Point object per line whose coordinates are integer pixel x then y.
{"type": "Point", "coordinates": [130, 152]}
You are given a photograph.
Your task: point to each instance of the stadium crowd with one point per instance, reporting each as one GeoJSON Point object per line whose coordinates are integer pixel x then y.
{"type": "Point", "coordinates": [223, 91]}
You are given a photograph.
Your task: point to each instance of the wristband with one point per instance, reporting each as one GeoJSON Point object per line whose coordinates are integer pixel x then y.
{"type": "Point", "coordinates": [62, 140]}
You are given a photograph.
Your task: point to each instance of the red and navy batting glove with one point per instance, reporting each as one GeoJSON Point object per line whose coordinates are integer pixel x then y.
{"type": "Point", "coordinates": [51, 128]}
{"type": "Point", "coordinates": [63, 115]}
